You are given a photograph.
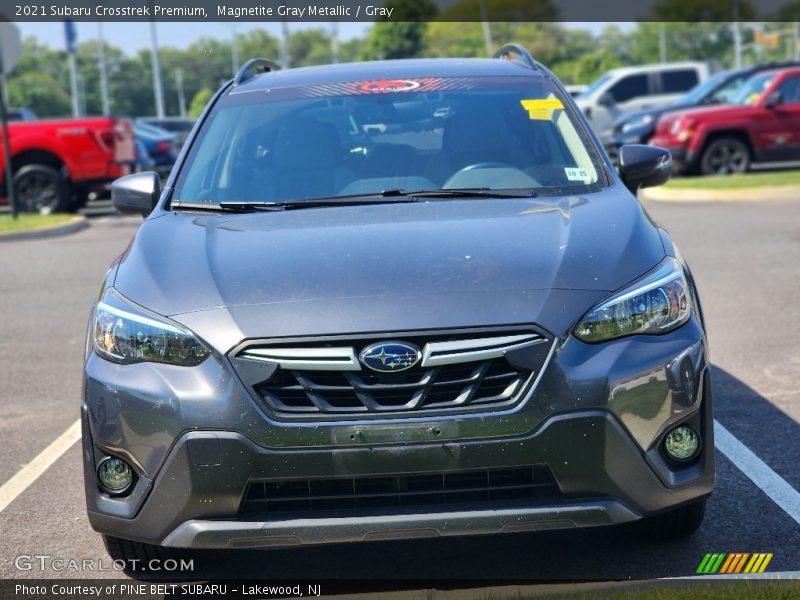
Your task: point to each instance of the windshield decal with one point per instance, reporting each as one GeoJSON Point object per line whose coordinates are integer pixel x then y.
{"type": "Point", "coordinates": [576, 174]}
{"type": "Point", "coordinates": [389, 86]}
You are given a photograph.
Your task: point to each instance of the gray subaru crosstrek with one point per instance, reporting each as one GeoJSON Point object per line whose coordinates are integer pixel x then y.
{"type": "Point", "coordinates": [390, 300]}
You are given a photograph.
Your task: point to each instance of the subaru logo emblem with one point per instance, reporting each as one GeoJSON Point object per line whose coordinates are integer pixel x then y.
{"type": "Point", "coordinates": [389, 357]}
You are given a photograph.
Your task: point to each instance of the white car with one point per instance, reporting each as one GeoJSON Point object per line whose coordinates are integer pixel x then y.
{"type": "Point", "coordinates": [628, 89]}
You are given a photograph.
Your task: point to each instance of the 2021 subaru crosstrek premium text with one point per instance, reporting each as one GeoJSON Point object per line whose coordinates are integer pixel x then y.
{"type": "Point", "coordinates": [393, 300]}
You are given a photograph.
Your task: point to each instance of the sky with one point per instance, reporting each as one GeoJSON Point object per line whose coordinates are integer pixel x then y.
{"type": "Point", "coordinates": [134, 36]}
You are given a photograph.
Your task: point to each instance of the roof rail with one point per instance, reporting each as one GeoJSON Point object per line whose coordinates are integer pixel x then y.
{"type": "Point", "coordinates": [517, 53]}
{"type": "Point", "coordinates": [251, 68]}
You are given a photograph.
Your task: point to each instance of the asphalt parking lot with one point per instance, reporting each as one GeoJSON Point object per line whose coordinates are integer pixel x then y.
{"type": "Point", "coordinates": [745, 260]}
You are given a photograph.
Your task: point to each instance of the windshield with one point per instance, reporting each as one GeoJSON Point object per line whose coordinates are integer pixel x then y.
{"type": "Point", "coordinates": [753, 88]}
{"type": "Point", "coordinates": [594, 86]}
{"type": "Point", "coordinates": [698, 93]}
{"type": "Point", "coordinates": [354, 138]}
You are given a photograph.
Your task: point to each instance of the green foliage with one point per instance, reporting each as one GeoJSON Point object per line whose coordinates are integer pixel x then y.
{"type": "Point", "coordinates": [40, 92]}
{"type": "Point", "coordinates": [41, 78]}
{"type": "Point", "coordinates": [310, 47]}
{"type": "Point", "coordinates": [404, 36]}
{"type": "Point", "coordinates": [199, 101]}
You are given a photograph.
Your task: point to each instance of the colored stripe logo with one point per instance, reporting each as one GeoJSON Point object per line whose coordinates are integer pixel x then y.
{"type": "Point", "coordinates": [722, 563]}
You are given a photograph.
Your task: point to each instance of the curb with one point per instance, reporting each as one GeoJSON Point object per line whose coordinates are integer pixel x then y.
{"type": "Point", "coordinates": [755, 194]}
{"type": "Point", "coordinates": [74, 224]}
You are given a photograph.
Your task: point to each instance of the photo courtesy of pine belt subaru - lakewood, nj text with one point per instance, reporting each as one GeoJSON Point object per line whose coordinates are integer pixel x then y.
{"type": "Point", "coordinates": [390, 300]}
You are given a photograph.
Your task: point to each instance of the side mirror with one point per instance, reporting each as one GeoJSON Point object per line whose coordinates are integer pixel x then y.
{"type": "Point", "coordinates": [773, 100]}
{"type": "Point", "coordinates": [606, 99]}
{"type": "Point", "coordinates": [136, 194]}
{"type": "Point", "coordinates": [643, 166]}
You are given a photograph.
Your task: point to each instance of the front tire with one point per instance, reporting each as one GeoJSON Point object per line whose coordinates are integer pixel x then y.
{"type": "Point", "coordinates": [675, 524]}
{"type": "Point", "coordinates": [41, 189]}
{"type": "Point", "coordinates": [725, 156]}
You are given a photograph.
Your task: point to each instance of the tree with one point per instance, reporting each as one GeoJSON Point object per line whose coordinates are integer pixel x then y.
{"type": "Point", "coordinates": [310, 47]}
{"type": "Point", "coordinates": [199, 101]}
{"type": "Point", "coordinates": [38, 82]}
{"type": "Point", "coordinates": [40, 92]}
{"type": "Point", "coordinates": [404, 36]}
{"type": "Point", "coordinates": [257, 43]}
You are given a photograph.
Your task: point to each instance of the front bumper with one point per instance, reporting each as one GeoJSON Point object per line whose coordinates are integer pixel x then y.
{"type": "Point", "coordinates": [603, 476]}
{"type": "Point", "coordinates": [596, 419]}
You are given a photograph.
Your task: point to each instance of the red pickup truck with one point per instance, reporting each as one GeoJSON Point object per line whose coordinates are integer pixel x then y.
{"type": "Point", "coordinates": [57, 163]}
{"type": "Point", "coordinates": [762, 124]}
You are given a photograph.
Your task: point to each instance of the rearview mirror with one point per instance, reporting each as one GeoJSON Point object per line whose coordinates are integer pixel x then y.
{"type": "Point", "coordinates": [606, 99]}
{"type": "Point", "coordinates": [643, 166]}
{"type": "Point", "coordinates": [773, 100]}
{"type": "Point", "coordinates": [136, 194]}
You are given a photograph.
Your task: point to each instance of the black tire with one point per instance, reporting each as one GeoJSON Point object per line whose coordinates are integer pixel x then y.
{"type": "Point", "coordinates": [135, 555]}
{"type": "Point", "coordinates": [725, 156]}
{"type": "Point", "coordinates": [41, 189]}
{"type": "Point", "coordinates": [675, 524]}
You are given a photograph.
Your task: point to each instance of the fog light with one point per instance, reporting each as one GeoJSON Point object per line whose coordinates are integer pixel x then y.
{"type": "Point", "coordinates": [114, 474]}
{"type": "Point", "coordinates": [682, 443]}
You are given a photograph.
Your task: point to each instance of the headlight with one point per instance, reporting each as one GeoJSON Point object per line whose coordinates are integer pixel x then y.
{"type": "Point", "coordinates": [637, 123]}
{"type": "Point", "coordinates": [124, 333]}
{"type": "Point", "coordinates": [683, 129]}
{"type": "Point", "coordinates": [657, 304]}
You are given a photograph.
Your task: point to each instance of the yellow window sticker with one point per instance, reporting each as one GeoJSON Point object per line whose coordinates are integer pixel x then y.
{"type": "Point", "coordinates": [541, 109]}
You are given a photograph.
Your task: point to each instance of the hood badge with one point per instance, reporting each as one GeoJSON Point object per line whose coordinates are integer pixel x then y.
{"type": "Point", "coordinates": [390, 357]}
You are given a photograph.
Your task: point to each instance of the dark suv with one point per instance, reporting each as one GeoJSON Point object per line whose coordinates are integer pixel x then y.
{"type": "Point", "coordinates": [393, 300]}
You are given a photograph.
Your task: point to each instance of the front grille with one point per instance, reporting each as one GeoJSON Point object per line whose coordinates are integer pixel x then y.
{"type": "Point", "coordinates": [459, 371]}
{"type": "Point", "coordinates": [267, 499]}
{"type": "Point", "coordinates": [451, 385]}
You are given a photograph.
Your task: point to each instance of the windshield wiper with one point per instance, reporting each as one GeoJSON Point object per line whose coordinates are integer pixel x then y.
{"type": "Point", "coordinates": [474, 193]}
{"type": "Point", "coordinates": [384, 197]}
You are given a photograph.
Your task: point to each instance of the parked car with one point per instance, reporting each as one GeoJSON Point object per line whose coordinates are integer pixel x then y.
{"type": "Point", "coordinates": [58, 163]}
{"type": "Point", "coordinates": [639, 127]}
{"type": "Point", "coordinates": [160, 146]}
{"type": "Point", "coordinates": [143, 161]}
{"type": "Point", "coordinates": [180, 127]}
{"type": "Point", "coordinates": [575, 90]}
{"type": "Point", "coordinates": [21, 114]}
{"type": "Point", "coordinates": [761, 124]}
{"type": "Point", "coordinates": [629, 89]}
{"type": "Point", "coordinates": [321, 334]}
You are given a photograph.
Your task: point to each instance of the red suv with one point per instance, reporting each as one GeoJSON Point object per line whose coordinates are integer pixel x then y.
{"type": "Point", "coordinates": [762, 124]}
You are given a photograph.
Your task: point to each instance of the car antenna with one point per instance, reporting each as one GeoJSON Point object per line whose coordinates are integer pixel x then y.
{"type": "Point", "coordinates": [516, 53]}
{"type": "Point", "coordinates": [252, 67]}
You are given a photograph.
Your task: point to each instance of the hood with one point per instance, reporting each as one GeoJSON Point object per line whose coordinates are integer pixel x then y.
{"type": "Point", "coordinates": [708, 113]}
{"type": "Point", "coordinates": [654, 113]}
{"type": "Point", "coordinates": [184, 262]}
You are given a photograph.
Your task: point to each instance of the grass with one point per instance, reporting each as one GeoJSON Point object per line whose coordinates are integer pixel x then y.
{"type": "Point", "coordinates": [26, 221]}
{"type": "Point", "coordinates": [745, 590]}
{"type": "Point", "coordinates": [736, 182]}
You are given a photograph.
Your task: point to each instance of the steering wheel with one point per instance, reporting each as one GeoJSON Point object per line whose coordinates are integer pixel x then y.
{"type": "Point", "coordinates": [483, 165]}
{"type": "Point", "coordinates": [465, 172]}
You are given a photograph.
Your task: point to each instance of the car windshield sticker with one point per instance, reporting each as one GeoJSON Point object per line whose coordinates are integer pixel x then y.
{"type": "Point", "coordinates": [576, 174]}
{"type": "Point", "coordinates": [390, 86]}
{"type": "Point", "coordinates": [541, 109]}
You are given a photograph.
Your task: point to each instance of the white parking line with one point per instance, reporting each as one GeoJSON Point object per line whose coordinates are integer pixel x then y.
{"type": "Point", "coordinates": [772, 484]}
{"type": "Point", "coordinates": [31, 472]}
